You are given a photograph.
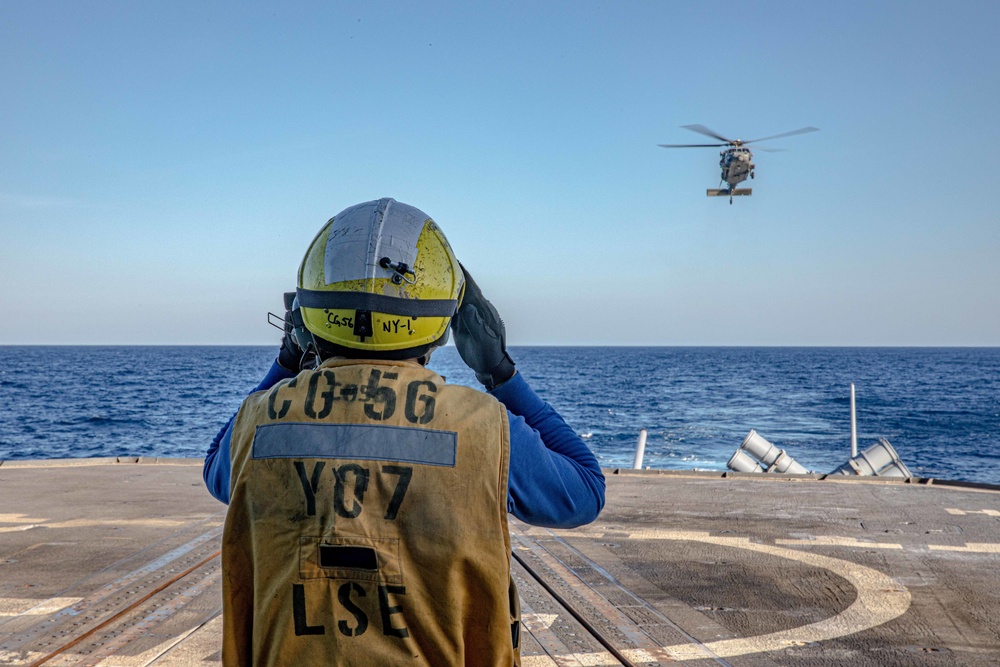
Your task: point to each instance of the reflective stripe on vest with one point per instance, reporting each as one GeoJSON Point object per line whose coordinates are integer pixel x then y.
{"type": "Point", "coordinates": [368, 523]}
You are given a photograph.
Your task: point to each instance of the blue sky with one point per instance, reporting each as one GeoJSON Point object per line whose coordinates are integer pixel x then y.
{"type": "Point", "coordinates": [163, 165]}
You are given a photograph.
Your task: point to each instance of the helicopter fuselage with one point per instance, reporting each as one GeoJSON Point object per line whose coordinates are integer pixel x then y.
{"type": "Point", "coordinates": [737, 165]}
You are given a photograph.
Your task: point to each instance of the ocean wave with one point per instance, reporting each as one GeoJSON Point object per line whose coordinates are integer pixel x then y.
{"type": "Point", "coordinates": [98, 420]}
{"type": "Point", "coordinates": [697, 404]}
{"type": "Point", "coordinates": [13, 384]}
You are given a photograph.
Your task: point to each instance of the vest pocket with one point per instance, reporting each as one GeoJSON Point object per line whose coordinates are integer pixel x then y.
{"type": "Point", "coordinates": [357, 558]}
{"type": "Point", "coordinates": [345, 555]}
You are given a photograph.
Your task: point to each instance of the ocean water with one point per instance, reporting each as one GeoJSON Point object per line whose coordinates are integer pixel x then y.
{"type": "Point", "coordinates": [939, 407]}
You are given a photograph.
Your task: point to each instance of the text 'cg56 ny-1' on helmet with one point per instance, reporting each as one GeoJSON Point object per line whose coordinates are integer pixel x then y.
{"type": "Point", "coordinates": [379, 278]}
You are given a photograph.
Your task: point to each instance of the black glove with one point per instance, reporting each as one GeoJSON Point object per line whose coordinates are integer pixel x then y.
{"type": "Point", "coordinates": [480, 337]}
{"type": "Point", "coordinates": [290, 354]}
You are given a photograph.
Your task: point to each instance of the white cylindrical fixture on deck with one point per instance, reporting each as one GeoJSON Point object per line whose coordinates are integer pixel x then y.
{"type": "Point", "coordinates": [880, 459]}
{"type": "Point", "coordinates": [771, 458]}
{"type": "Point", "coordinates": [640, 450]}
{"type": "Point", "coordinates": [786, 464]}
{"type": "Point", "coordinates": [854, 426]}
{"type": "Point", "coordinates": [741, 462]}
{"type": "Point", "coordinates": [761, 449]}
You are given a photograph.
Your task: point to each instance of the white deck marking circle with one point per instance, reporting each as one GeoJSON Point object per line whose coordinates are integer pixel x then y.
{"type": "Point", "coordinates": [833, 541]}
{"type": "Point", "coordinates": [880, 599]}
{"type": "Point", "coordinates": [970, 547]}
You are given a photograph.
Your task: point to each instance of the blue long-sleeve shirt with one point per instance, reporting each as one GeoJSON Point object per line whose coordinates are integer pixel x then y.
{"type": "Point", "coordinates": [554, 479]}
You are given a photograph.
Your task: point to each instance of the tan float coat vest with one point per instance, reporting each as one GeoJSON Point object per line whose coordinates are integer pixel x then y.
{"type": "Point", "coordinates": [368, 523]}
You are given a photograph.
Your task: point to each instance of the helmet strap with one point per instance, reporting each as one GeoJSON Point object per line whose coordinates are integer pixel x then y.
{"type": "Point", "coordinates": [310, 354]}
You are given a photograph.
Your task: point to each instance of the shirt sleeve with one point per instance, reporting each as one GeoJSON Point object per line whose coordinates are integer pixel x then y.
{"type": "Point", "coordinates": [554, 479]}
{"type": "Point", "coordinates": [217, 468]}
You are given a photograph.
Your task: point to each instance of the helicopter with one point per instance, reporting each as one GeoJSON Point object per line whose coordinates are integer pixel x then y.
{"type": "Point", "coordinates": [737, 160]}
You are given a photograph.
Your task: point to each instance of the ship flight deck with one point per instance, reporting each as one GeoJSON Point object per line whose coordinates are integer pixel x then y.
{"type": "Point", "coordinates": [116, 562]}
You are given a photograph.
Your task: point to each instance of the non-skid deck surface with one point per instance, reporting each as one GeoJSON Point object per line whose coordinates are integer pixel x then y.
{"type": "Point", "coordinates": [115, 562]}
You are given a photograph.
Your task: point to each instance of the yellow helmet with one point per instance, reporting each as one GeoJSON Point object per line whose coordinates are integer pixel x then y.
{"type": "Point", "coordinates": [380, 277]}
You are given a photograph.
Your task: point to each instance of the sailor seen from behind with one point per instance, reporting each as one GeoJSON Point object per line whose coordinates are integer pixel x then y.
{"type": "Point", "coordinates": [368, 498]}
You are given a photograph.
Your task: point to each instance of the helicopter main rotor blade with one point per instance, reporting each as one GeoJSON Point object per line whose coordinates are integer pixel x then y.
{"type": "Point", "coordinates": [801, 130]}
{"type": "Point", "coordinates": [701, 129]}
{"type": "Point", "coordinates": [770, 150]}
{"type": "Point", "coordinates": [691, 145]}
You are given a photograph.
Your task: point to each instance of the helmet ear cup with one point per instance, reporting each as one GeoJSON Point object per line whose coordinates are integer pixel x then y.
{"type": "Point", "coordinates": [295, 323]}
{"type": "Point", "coordinates": [302, 335]}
